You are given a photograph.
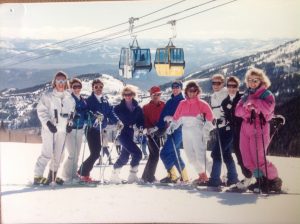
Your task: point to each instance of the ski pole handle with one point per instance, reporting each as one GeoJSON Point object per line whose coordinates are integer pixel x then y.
{"type": "Point", "coordinates": [56, 115]}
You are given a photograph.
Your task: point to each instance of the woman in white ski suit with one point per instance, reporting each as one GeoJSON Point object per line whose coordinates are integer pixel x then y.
{"type": "Point", "coordinates": [54, 110]}
{"type": "Point", "coordinates": [195, 116]}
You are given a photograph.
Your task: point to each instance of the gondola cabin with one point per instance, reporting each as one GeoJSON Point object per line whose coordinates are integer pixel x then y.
{"type": "Point", "coordinates": [169, 61]}
{"type": "Point", "coordinates": [134, 62]}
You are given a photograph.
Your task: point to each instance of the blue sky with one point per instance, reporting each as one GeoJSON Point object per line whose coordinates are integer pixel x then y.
{"type": "Point", "coordinates": [260, 19]}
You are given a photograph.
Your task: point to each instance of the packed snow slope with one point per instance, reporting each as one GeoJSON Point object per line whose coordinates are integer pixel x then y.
{"type": "Point", "coordinates": [136, 203]}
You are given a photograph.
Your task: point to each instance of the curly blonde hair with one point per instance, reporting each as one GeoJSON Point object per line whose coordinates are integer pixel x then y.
{"type": "Point", "coordinates": [129, 88]}
{"type": "Point", "coordinates": [260, 74]}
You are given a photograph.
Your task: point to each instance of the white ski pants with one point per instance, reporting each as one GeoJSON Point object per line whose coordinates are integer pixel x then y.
{"type": "Point", "coordinates": [73, 144]}
{"type": "Point", "coordinates": [195, 144]}
{"type": "Point", "coordinates": [51, 150]}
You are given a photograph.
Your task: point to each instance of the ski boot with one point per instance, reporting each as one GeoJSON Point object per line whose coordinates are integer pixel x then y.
{"type": "Point", "coordinates": [202, 179]}
{"type": "Point", "coordinates": [275, 185]}
{"type": "Point", "coordinates": [132, 178]}
{"type": "Point", "coordinates": [171, 177]}
{"type": "Point", "coordinates": [59, 181]}
{"type": "Point", "coordinates": [115, 179]}
{"type": "Point", "coordinates": [38, 180]}
{"type": "Point", "coordinates": [184, 177]}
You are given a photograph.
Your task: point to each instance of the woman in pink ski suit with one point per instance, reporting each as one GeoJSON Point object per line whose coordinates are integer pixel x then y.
{"type": "Point", "coordinates": [256, 108]}
{"type": "Point", "coordinates": [195, 116]}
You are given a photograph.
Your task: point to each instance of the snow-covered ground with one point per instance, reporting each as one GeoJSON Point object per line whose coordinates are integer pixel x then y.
{"type": "Point", "coordinates": [136, 203]}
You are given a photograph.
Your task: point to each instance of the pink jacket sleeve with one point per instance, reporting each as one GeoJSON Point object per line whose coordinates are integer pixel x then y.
{"type": "Point", "coordinates": [178, 111]}
{"type": "Point", "coordinates": [265, 106]}
{"type": "Point", "coordinates": [208, 111]}
{"type": "Point", "coordinates": [240, 110]}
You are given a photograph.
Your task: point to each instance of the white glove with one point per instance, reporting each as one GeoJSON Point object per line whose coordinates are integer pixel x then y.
{"type": "Point", "coordinates": [119, 125]}
{"type": "Point", "coordinates": [207, 128]}
{"type": "Point", "coordinates": [172, 127]}
{"type": "Point", "coordinates": [168, 119]}
{"type": "Point", "coordinates": [150, 131]}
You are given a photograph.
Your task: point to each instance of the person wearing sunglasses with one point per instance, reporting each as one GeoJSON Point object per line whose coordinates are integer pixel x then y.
{"type": "Point", "coordinates": [256, 108]}
{"type": "Point", "coordinates": [172, 159]}
{"type": "Point", "coordinates": [223, 144]}
{"type": "Point", "coordinates": [100, 114]}
{"type": "Point", "coordinates": [74, 139]}
{"type": "Point", "coordinates": [54, 111]}
{"type": "Point", "coordinates": [195, 116]}
{"type": "Point", "coordinates": [152, 111]}
{"type": "Point", "coordinates": [228, 106]}
{"type": "Point", "coordinates": [131, 115]}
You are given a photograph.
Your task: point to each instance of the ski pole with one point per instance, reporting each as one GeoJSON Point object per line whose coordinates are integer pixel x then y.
{"type": "Point", "coordinates": [70, 120]}
{"type": "Point", "coordinates": [53, 146]}
{"type": "Point", "coordinates": [261, 120]}
{"type": "Point", "coordinates": [177, 157]}
{"type": "Point", "coordinates": [76, 150]}
{"type": "Point", "coordinates": [224, 178]}
{"type": "Point", "coordinates": [106, 163]}
{"type": "Point", "coordinates": [253, 119]}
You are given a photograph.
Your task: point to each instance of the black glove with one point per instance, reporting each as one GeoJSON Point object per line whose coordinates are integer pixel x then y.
{"type": "Point", "coordinates": [51, 127]}
{"type": "Point", "coordinates": [278, 120]}
{"type": "Point", "coordinates": [68, 128]}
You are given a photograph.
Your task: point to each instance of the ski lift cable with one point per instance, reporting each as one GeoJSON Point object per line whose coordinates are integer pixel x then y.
{"type": "Point", "coordinates": [112, 38]}
{"type": "Point", "coordinates": [88, 42]}
{"type": "Point", "coordinates": [93, 32]}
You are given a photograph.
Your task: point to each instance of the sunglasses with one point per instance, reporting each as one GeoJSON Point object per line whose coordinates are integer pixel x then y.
{"type": "Point", "coordinates": [156, 94]}
{"type": "Point", "coordinates": [254, 80]}
{"type": "Point", "coordinates": [76, 87]}
{"type": "Point", "coordinates": [231, 86]}
{"type": "Point", "coordinates": [127, 94]}
{"type": "Point", "coordinates": [98, 87]}
{"type": "Point", "coordinates": [60, 81]}
{"type": "Point", "coordinates": [216, 83]}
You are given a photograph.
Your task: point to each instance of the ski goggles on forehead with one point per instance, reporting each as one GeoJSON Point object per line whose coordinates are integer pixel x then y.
{"type": "Point", "coordinates": [60, 81]}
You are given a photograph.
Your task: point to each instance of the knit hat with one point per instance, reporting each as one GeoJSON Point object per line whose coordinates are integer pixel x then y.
{"type": "Point", "coordinates": [154, 89]}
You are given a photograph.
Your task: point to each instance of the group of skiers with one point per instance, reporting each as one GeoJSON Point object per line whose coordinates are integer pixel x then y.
{"type": "Point", "coordinates": [238, 121]}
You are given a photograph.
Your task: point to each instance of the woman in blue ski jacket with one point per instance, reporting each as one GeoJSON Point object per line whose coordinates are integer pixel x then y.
{"type": "Point", "coordinates": [100, 114]}
{"type": "Point", "coordinates": [168, 154]}
{"type": "Point", "coordinates": [131, 115]}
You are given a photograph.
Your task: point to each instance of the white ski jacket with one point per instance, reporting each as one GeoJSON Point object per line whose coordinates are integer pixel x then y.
{"type": "Point", "coordinates": [63, 102]}
{"type": "Point", "coordinates": [216, 100]}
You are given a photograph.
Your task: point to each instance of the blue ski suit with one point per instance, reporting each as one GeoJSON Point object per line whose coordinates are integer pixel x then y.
{"type": "Point", "coordinates": [129, 119]}
{"type": "Point", "coordinates": [93, 132]}
{"type": "Point", "coordinates": [167, 154]}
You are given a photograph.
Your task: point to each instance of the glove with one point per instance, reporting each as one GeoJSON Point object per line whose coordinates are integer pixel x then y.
{"type": "Point", "coordinates": [171, 128]}
{"type": "Point", "coordinates": [119, 125]}
{"type": "Point", "coordinates": [51, 127]}
{"type": "Point", "coordinates": [168, 119]}
{"type": "Point", "coordinates": [150, 131]}
{"type": "Point", "coordinates": [245, 96]}
{"type": "Point", "coordinates": [278, 120]}
{"type": "Point", "coordinates": [69, 128]}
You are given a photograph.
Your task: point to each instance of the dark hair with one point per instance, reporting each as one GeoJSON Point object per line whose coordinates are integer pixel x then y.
{"type": "Point", "coordinates": [96, 81]}
{"type": "Point", "coordinates": [233, 79]}
{"type": "Point", "coordinates": [192, 84]}
{"type": "Point", "coordinates": [75, 80]}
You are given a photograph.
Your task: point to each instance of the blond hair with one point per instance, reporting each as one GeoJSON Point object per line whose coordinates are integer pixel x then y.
{"type": "Point", "coordinates": [62, 74]}
{"type": "Point", "coordinates": [260, 74]}
{"type": "Point", "coordinates": [218, 76]}
{"type": "Point", "coordinates": [129, 88]}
